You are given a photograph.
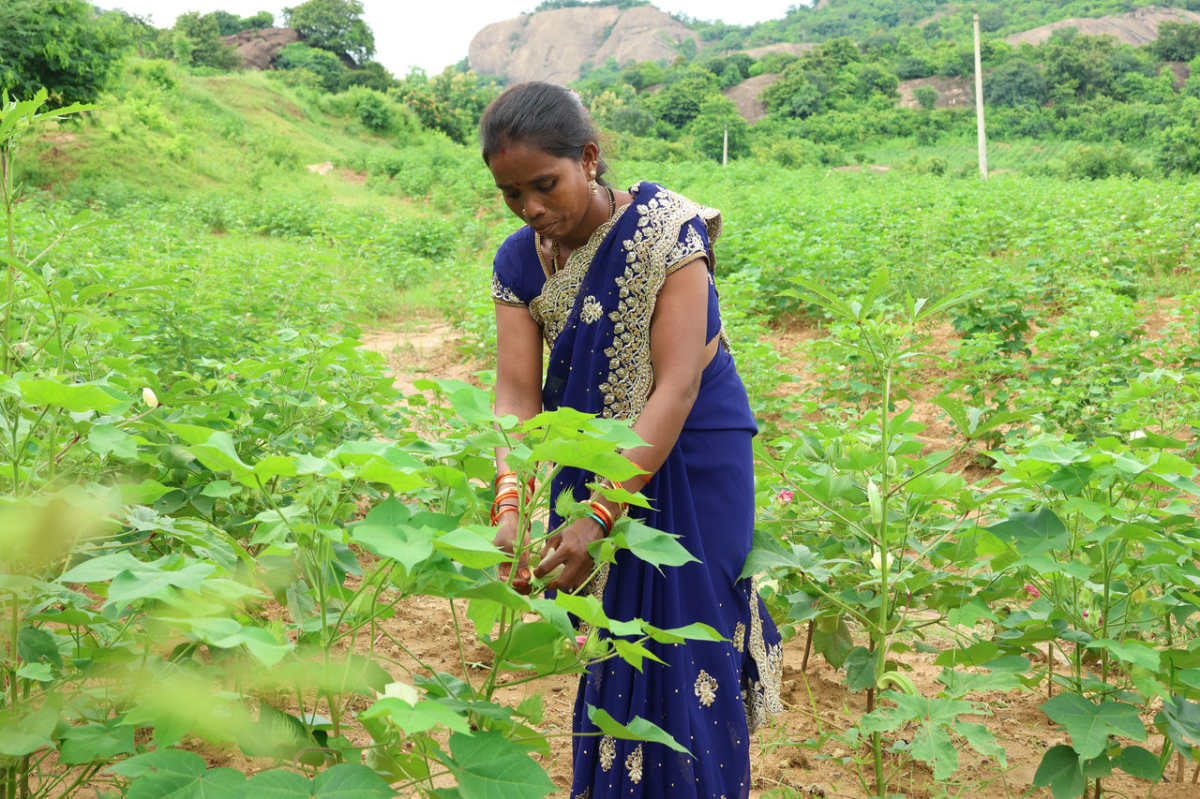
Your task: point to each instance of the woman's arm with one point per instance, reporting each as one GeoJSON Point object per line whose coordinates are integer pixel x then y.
{"type": "Point", "coordinates": [677, 352]}
{"type": "Point", "coordinates": [519, 392]}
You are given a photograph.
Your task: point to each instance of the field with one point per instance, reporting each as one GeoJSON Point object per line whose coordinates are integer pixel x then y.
{"type": "Point", "coordinates": [248, 439]}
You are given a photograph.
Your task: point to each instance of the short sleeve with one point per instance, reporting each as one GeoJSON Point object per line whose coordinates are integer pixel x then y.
{"type": "Point", "coordinates": [511, 279]}
{"type": "Point", "coordinates": [692, 244]}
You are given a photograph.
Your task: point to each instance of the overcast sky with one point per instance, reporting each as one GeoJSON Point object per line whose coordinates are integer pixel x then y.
{"type": "Point", "coordinates": [435, 33]}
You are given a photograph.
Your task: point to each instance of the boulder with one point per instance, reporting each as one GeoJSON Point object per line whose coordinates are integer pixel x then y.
{"type": "Point", "coordinates": [553, 45]}
{"type": "Point", "coordinates": [258, 48]}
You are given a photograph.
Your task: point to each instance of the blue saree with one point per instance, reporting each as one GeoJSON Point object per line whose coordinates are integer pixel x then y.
{"type": "Point", "coordinates": [595, 315]}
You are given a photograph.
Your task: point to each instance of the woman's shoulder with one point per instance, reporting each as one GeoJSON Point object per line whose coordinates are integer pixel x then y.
{"type": "Point", "coordinates": [670, 211]}
{"type": "Point", "coordinates": [519, 244]}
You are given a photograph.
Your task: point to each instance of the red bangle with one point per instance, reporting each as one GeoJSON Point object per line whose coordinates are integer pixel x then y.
{"type": "Point", "coordinates": [501, 476]}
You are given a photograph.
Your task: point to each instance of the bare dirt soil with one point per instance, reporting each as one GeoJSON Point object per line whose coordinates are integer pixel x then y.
{"type": "Point", "coordinates": [802, 753]}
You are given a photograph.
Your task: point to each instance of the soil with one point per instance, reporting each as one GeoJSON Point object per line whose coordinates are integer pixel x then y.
{"type": "Point", "coordinates": [803, 752]}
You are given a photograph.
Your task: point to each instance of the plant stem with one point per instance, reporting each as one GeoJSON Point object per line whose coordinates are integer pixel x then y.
{"type": "Point", "coordinates": [879, 634]}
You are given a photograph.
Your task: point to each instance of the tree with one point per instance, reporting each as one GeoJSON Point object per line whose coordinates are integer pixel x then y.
{"type": "Point", "coordinates": [58, 45]}
{"type": "Point", "coordinates": [451, 101]}
{"type": "Point", "coordinates": [679, 101]}
{"type": "Point", "coordinates": [202, 45]}
{"type": "Point", "coordinates": [333, 25]}
{"type": "Point", "coordinates": [794, 95]}
{"type": "Point", "coordinates": [643, 74]}
{"type": "Point", "coordinates": [1177, 41]}
{"type": "Point", "coordinates": [328, 68]}
{"type": "Point", "coordinates": [926, 97]}
{"type": "Point", "coordinates": [232, 23]}
{"type": "Point", "coordinates": [718, 114]}
{"type": "Point", "coordinates": [1015, 83]}
{"type": "Point", "coordinates": [876, 79]}
{"type": "Point", "coordinates": [1080, 65]}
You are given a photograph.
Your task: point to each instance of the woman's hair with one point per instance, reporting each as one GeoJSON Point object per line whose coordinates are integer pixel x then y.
{"type": "Point", "coordinates": [545, 115]}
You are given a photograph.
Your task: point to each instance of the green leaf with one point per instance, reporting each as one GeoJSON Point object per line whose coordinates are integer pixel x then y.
{"type": "Point", "coordinates": [652, 546]}
{"type": "Point", "coordinates": [107, 439]}
{"type": "Point", "coordinates": [860, 669]}
{"type": "Point", "coordinates": [1060, 771]}
{"type": "Point", "coordinates": [399, 479]}
{"type": "Point", "coordinates": [350, 781]}
{"type": "Point", "coordinates": [1089, 725]}
{"type": "Point", "coordinates": [75, 397]}
{"type": "Point", "coordinates": [591, 455]}
{"type": "Point", "coordinates": [1130, 652]}
{"type": "Point", "coordinates": [634, 653]}
{"type": "Point", "coordinates": [425, 715]}
{"type": "Point", "coordinates": [22, 735]}
{"type": "Point", "coordinates": [471, 546]}
{"type": "Point", "coordinates": [932, 744]}
{"type": "Point", "coordinates": [96, 742]}
{"type": "Point", "coordinates": [221, 489]}
{"type": "Point", "coordinates": [1140, 763]}
{"type": "Point", "coordinates": [1032, 533]}
{"type": "Point", "coordinates": [638, 729]}
{"type": "Point", "coordinates": [388, 532]}
{"type": "Point", "coordinates": [38, 646]}
{"type": "Point", "coordinates": [489, 766]}
{"type": "Point", "coordinates": [215, 449]}
{"type": "Point", "coordinates": [982, 741]}
{"type": "Point", "coordinates": [184, 775]}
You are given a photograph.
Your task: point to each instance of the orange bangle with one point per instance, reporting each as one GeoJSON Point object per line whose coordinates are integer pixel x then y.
{"type": "Point", "coordinates": [604, 514]}
{"type": "Point", "coordinates": [501, 476]}
{"type": "Point", "coordinates": [503, 510]}
{"type": "Point", "coordinates": [511, 493]}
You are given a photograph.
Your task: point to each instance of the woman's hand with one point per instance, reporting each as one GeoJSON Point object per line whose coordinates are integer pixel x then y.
{"type": "Point", "coordinates": [507, 529]}
{"type": "Point", "coordinates": [569, 548]}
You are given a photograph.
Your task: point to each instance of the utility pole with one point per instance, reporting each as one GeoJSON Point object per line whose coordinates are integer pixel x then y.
{"type": "Point", "coordinates": [725, 148]}
{"type": "Point", "coordinates": [982, 133]}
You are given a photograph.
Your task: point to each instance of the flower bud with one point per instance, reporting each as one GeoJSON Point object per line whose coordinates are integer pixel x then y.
{"type": "Point", "coordinates": [1032, 591]}
{"type": "Point", "coordinates": [149, 397]}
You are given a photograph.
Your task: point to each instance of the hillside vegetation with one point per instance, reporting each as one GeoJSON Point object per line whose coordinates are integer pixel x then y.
{"type": "Point", "coordinates": [237, 560]}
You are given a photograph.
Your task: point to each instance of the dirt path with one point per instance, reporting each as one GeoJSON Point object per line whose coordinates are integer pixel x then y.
{"type": "Point", "coordinates": [803, 753]}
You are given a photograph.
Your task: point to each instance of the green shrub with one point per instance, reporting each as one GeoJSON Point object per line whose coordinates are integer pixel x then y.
{"type": "Point", "coordinates": [1102, 162]}
{"type": "Point", "coordinates": [926, 96]}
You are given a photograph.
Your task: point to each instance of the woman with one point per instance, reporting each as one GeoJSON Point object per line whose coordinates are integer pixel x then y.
{"type": "Point", "coordinates": [619, 286]}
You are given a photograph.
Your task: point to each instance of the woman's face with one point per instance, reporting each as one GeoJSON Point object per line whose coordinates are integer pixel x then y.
{"type": "Point", "coordinates": [550, 193]}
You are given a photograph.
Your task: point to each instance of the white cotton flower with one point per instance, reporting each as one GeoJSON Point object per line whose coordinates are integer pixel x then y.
{"type": "Point", "coordinates": [1104, 260]}
{"type": "Point", "coordinates": [1093, 334]}
{"type": "Point", "coordinates": [1056, 381]}
{"type": "Point", "coordinates": [149, 397]}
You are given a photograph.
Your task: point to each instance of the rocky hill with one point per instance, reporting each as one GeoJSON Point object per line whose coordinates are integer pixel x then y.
{"type": "Point", "coordinates": [1136, 27]}
{"type": "Point", "coordinates": [553, 45]}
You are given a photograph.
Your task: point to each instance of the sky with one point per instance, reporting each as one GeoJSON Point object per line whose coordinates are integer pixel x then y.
{"type": "Point", "coordinates": [433, 34]}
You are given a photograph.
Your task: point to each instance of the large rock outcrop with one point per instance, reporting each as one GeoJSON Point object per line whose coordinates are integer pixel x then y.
{"type": "Point", "coordinates": [1136, 27]}
{"type": "Point", "coordinates": [258, 48]}
{"type": "Point", "coordinates": [553, 45]}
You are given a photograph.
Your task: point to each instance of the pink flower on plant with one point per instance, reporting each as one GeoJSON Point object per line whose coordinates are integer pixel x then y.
{"type": "Point", "coordinates": [785, 496]}
{"type": "Point", "coordinates": [1085, 614]}
{"type": "Point", "coordinates": [580, 640]}
{"type": "Point", "coordinates": [1032, 591]}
